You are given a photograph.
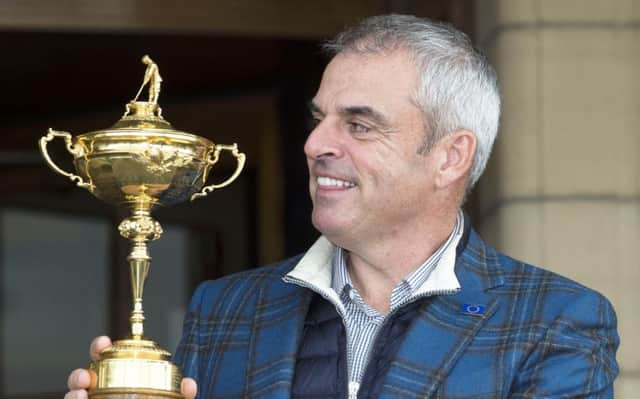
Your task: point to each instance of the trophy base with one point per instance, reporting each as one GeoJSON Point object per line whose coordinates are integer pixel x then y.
{"type": "Point", "coordinates": [133, 393]}
{"type": "Point", "coordinates": [135, 369]}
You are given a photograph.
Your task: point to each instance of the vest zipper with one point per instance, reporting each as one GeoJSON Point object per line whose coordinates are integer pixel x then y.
{"type": "Point", "coordinates": [353, 389]}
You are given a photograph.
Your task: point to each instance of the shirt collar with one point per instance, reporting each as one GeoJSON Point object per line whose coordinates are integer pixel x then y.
{"type": "Point", "coordinates": [416, 279]}
{"type": "Point", "coordinates": [316, 268]}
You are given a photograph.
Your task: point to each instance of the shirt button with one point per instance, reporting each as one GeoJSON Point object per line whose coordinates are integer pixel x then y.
{"type": "Point", "coordinates": [352, 295]}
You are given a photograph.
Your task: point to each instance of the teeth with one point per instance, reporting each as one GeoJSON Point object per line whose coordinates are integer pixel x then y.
{"type": "Point", "coordinates": [328, 181]}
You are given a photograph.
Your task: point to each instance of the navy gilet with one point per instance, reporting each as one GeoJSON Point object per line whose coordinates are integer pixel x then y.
{"type": "Point", "coordinates": [321, 366]}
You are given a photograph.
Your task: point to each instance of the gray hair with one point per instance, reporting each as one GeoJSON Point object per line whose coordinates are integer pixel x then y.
{"type": "Point", "coordinates": [457, 88]}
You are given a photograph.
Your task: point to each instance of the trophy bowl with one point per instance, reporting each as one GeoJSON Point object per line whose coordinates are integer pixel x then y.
{"type": "Point", "coordinates": [142, 159]}
{"type": "Point", "coordinates": [123, 166]}
{"type": "Point", "coordinates": [140, 162]}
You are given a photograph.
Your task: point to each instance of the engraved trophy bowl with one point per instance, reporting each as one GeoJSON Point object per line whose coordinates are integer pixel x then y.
{"type": "Point", "coordinates": [140, 162]}
{"type": "Point", "coordinates": [142, 158]}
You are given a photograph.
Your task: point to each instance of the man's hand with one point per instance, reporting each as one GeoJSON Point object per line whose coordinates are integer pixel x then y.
{"type": "Point", "coordinates": [80, 379]}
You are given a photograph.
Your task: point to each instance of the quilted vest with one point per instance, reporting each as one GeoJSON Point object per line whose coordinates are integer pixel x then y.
{"type": "Point", "coordinates": [321, 369]}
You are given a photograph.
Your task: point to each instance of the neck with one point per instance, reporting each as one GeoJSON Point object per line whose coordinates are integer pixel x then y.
{"type": "Point", "coordinates": [379, 265]}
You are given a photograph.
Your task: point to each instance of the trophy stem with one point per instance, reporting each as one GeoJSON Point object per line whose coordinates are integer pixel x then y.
{"type": "Point", "coordinates": [139, 228]}
{"type": "Point", "coordinates": [139, 261]}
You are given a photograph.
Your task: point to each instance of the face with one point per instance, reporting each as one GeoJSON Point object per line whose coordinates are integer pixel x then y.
{"type": "Point", "coordinates": [367, 179]}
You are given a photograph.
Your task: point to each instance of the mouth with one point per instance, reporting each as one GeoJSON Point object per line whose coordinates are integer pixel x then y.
{"type": "Point", "coordinates": [331, 182]}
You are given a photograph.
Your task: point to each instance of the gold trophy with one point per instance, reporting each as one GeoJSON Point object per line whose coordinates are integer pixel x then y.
{"type": "Point", "coordinates": [140, 162]}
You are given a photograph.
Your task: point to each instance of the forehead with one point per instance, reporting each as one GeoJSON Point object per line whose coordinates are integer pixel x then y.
{"type": "Point", "coordinates": [385, 81]}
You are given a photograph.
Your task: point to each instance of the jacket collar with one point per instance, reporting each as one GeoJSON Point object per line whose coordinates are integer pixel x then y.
{"type": "Point", "coordinates": [315, 269]}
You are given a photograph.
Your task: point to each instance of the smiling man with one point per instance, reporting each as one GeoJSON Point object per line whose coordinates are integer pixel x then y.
{"type": "Point", "coordinates": [399, 298]}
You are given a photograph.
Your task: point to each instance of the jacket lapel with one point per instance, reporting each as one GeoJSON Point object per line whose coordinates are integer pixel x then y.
{"type": "Point", "coordinates": [444, 327]}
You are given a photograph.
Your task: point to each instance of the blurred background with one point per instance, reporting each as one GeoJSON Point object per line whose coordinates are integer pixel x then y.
{"type": "Point", "coordinates": [562, 189]}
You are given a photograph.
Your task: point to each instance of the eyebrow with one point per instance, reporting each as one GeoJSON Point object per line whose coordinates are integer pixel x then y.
{"type": "Point", "coordinates": [355, 110]}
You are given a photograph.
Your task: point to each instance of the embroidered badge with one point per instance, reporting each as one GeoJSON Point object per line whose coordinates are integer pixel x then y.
{"type": "Point", "coordinates": [473, 309]}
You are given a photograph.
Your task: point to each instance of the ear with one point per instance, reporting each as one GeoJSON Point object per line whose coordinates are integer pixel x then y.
{"type": "Point", "coordinates": [457, 150]}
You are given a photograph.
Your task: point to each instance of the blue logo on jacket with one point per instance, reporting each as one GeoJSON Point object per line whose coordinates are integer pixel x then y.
{"type": "Point", "coordinates": [473, 309]}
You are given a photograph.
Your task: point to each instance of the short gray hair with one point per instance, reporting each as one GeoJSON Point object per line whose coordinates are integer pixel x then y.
{"type": "Point", "coordinates": [457, 87]}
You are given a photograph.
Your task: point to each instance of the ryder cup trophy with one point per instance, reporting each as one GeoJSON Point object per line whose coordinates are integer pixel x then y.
{"type": "Point", "coordinates": [140, 162]}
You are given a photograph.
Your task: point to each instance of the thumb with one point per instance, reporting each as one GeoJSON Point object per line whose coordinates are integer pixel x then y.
{"type": "Point", "coordinates": [98, 345]}
{"type": "Point", "coordinates": [189, 388]}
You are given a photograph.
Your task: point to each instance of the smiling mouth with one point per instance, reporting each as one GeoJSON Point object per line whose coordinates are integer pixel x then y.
{"type": "Point", "coordinates": [331, 182]}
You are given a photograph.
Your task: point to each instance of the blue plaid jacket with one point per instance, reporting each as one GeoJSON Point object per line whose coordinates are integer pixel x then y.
{"type": "Point", "coordinates": [537, 335]}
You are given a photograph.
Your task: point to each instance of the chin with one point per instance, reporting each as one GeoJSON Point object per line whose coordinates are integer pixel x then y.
{"type": "Point", "coordinates": [327, 226]}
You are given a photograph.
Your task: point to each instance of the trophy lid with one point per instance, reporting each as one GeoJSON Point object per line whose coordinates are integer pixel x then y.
{"type": "Point", "coordinates": [143, 119]}
{"type": "Point", "coordinates": [142, 115]}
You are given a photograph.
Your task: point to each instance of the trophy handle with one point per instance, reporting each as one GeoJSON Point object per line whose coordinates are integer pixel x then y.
{"type": "Point", "coordinates": [240, 158]}
{"type": "Point", "coordinates": [72, 149]}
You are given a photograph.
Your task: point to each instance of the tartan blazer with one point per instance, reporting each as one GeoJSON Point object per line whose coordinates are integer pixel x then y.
{"type": "Point", "coordinates": [512, 331]}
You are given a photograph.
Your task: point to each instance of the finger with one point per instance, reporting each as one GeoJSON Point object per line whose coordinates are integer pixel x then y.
{"type": "Point", "coordinates": [189, 388]}
{"type": "Point", "coordinates": [78, 379]}
{"type": "Point", "coordinates": [77, 394]}
{"type": "Point", "coordinates": [98, 345]}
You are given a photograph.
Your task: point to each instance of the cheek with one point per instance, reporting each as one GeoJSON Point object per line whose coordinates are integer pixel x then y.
{"type": "Point", "coordinates": [386, 163]}
{"type": "Point", "coordinates": [376, 163]}
{"type": "Point", "coordinates": [309, 167]}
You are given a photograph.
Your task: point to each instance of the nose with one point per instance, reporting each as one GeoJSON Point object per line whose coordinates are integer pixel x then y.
{"type": "Point", "coordinates": [323, 142]}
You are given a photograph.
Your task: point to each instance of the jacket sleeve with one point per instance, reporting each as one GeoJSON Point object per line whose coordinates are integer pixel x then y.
{"type": "Point", "coordinates": [576, 356]}
{"type": "Point", "coordinates": [187, 353]}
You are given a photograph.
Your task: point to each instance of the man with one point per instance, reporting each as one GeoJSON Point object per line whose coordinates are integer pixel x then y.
{"type": "Point", "coordinates": [399, 298]}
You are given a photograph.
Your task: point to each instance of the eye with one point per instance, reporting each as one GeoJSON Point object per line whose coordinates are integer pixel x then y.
{"type": "Point", "coordinates": [313, 121]}
{"type": "Point", "coordinates": [355, 127]}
